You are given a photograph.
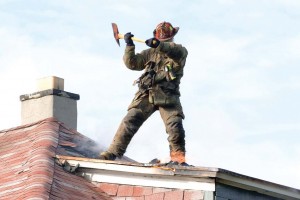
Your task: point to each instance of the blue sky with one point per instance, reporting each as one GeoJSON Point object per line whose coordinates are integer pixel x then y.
{"type": "Point", "coordinates": [240, 91]}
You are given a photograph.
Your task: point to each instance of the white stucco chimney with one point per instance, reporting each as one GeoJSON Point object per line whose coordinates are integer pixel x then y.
{"type": "Point", "coordinates": [50, 101]}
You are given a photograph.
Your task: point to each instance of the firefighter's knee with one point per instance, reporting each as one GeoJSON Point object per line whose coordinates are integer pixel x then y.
{"type": "Point", "coordinates": [134, 118]}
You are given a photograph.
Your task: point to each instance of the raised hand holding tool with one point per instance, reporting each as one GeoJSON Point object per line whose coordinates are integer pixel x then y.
{"type": "Point", "coordinates": [119, 36]}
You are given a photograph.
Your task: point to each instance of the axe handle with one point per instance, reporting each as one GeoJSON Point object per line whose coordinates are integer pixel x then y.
{"type": "Point", "coordinates": [121, 36]}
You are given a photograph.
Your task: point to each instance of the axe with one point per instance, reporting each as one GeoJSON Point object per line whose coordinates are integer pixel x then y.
{"type": "Point", "coordinates": [118, 36]}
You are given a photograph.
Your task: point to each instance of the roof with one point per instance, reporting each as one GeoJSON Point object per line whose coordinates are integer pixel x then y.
{"type": "Point", "coordinates": [37, 159]}
{"type": "Point", "coordinates": [191, 178]}
{"type": "Point", "coordinates": [28, 169]}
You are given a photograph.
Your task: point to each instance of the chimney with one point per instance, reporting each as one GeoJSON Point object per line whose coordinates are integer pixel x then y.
{"type": "Point", "coordinates": [50, 101]}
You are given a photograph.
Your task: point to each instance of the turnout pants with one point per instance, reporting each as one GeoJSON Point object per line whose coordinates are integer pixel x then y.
{"type": "Point", "coordinates": [138, 112]}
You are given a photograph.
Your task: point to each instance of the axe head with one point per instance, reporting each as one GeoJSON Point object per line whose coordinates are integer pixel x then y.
{"type": "Point", "coordinates": [116, 32]}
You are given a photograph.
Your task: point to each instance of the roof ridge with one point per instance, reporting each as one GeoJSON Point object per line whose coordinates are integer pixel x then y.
{"type": "Point", "coordinates": [50, 119]}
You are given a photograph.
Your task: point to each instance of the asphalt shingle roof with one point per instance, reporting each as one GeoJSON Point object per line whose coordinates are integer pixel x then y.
{"type": "Point", "coordinates": [28, 168]}
{"type": "Point", "coordinates": [31, 167]}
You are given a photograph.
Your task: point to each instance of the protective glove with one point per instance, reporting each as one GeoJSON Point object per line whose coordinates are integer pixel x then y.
{"type": "Point", "coordinates": [128, 40]}
{"type": "Point", "coordinates": [152, 42]}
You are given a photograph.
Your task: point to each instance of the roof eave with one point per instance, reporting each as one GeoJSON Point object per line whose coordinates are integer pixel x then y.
{"type": "Point", "coordinates": [196, 178]}
{"type": "Point", "coordinates": [140, 174]}
{"type": "Point", "coordinates": [258, 185]}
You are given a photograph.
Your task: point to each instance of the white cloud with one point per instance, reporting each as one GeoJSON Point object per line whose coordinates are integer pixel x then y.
{"type": "Point", "coordinates": [293, 47]}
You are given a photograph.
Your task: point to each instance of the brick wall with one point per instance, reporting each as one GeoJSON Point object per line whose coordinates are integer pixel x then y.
{"type": "Point", "coordinates": [130, 192]}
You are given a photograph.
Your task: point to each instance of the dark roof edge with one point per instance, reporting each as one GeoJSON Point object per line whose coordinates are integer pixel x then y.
{"type": "Point", "coordinates": [43, 93]}
{"type": "Point", "coordinates": [255, 184]}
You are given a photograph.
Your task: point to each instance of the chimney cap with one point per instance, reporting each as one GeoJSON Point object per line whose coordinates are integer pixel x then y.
{"type": "Point", "coordinates": [50, 82]}
{"type": "Point", "coordinates": [44, 93]}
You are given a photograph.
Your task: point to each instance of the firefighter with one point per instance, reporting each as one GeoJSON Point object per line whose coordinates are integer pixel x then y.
{"type": "Point", "coordinates": [163, 65]}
